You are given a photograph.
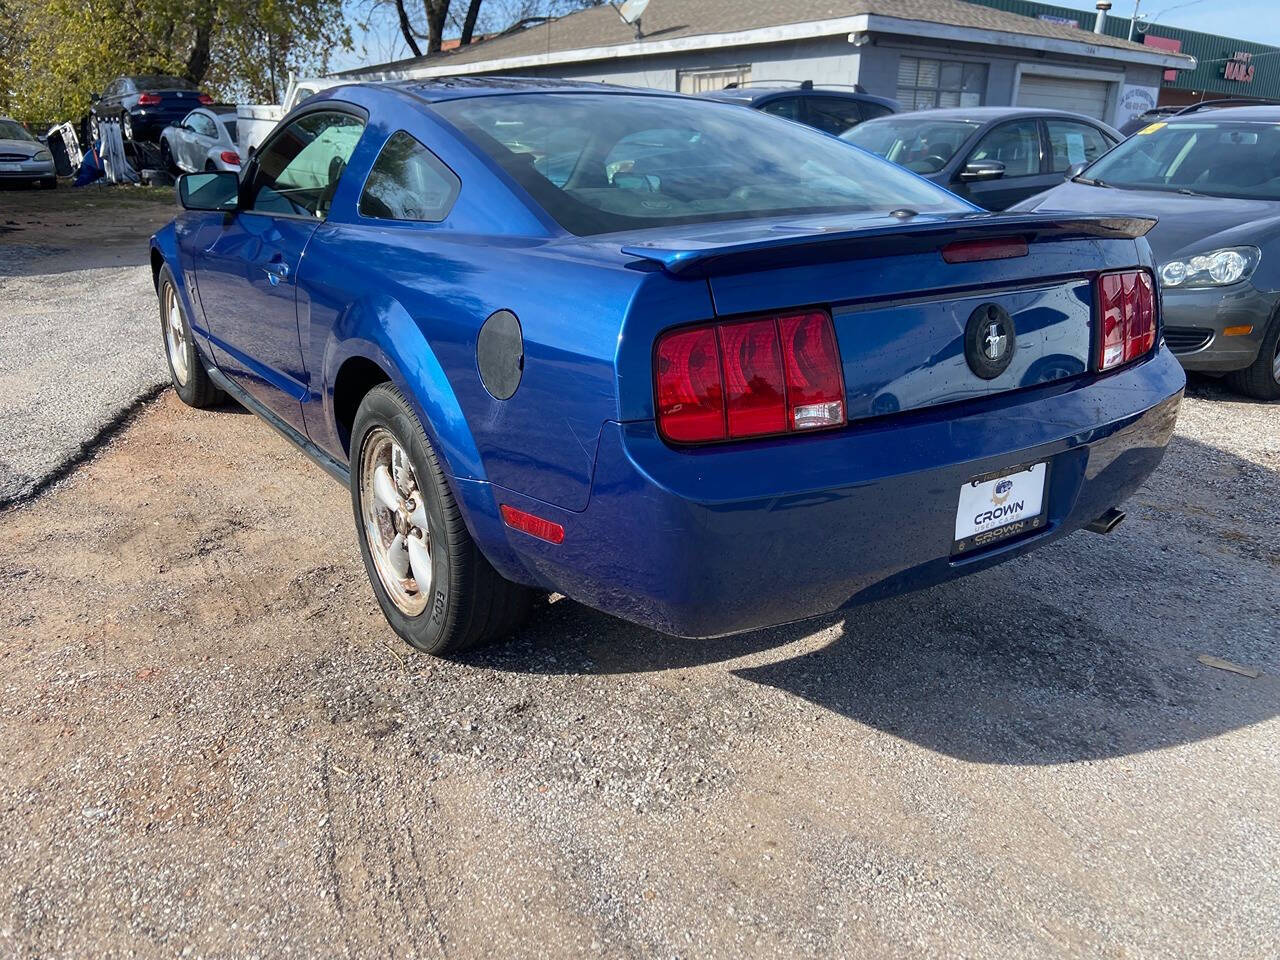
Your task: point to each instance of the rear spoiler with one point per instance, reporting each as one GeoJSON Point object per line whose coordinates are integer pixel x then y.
{"type": "Point", "coordinates": [698, 257]}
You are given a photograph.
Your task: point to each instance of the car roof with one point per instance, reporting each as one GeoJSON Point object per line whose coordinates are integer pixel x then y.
{"type": "Point", "coordinates": [1262, 114]}
{"type": "Point", "coordinates": [752, 93]}
{"type": "Point", "coordinates": [436, 89]}
{"type": "Point", "coordinates": [987, 114]}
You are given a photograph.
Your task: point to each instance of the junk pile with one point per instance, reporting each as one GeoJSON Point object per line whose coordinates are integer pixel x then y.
{"type": "Point", "coordinates": [111, 159]}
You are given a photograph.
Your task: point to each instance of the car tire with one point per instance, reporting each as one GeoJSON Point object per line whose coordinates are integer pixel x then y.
{"type": "Point", "coordinates": [166, 157]}
{"type": "Point", "coordinates": [190, 379]}
{"type": "Point", "coordinates": [468, 603]}
{"type": "Point", "coordinates": [1261, 379]}
{"type": "Point", "coordinates": [126, 127]}
{"type": "Point", "coordinates": [210, 167]}
{"type": "Point", "coordinates": [92, 132]}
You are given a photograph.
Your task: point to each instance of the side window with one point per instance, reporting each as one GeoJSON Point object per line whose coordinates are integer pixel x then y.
{"type": "Point", "coordinates": [202, 125]}
{"type": "Point", "coordinates": [1074, 143]}
{"type": "Point", "coordinates": [1016, 145]}
{"type": "Point", "coordinates": [299, 169]}
{"type": "Point", "coordinates": [834, 115]}
{"type": "Point", "coordinates": [786, 107]}
{"type": "Point", "coordinates": [408, 182]}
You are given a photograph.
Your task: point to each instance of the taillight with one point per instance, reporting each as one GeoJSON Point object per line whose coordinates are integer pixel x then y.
{"type": "Point", "coordinates": [230, 156]}
{"type": "Point", "coordinates": [148, 100]}
{"type": "Point", "coordinates": [749, 378]}
{"type": "Point", "coordinates": [205, 99]}
{"type": "Point", "coordinates": [1127, 314]}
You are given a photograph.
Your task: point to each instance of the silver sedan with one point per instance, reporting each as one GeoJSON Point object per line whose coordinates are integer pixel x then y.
{"type": "Point", "coordinates": [23, 158]}
{"type": "Point", "coordinates": [205, 139]}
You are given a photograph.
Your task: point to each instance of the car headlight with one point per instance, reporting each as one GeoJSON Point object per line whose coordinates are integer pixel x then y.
{"type": "Point", "coordinates": [1217, 268]}
{"type": "Point", "coordinates": [42, 155]}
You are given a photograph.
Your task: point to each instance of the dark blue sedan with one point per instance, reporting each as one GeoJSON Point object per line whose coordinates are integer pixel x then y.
{"type": "Point", "coordinates": [682, 363]}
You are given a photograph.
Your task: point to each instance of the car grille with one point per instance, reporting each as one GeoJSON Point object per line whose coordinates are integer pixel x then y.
{"type": "Point", "coordinates": [13, 157]}
{"type": "Point", "coordinates": [1187, 339]}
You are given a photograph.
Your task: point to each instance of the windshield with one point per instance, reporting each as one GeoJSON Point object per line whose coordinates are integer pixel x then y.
{"type": "Point", "coordinates": [604, 162]}
{"type": "Point", "coordinates": [160, 81]}
{"type": "Point", "coordinates": [1218, 158]}
{"type": "Point", "coordinates": [917, 143]}
{"type": "Point", "coordinates": [9, 130]}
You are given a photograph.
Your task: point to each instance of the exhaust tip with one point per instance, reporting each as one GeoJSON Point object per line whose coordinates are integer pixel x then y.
{"type": "Point", "coordinates": [1107, 522]}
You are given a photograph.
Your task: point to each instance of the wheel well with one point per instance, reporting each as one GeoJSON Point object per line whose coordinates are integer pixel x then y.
{"type": "Point", "coordinates": [355, 379]}
{"type": "Point", "coordinates": [157, 261]}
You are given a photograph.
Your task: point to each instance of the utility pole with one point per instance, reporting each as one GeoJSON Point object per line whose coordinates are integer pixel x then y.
{"type": "Point", "coordinates": [1133, 21]}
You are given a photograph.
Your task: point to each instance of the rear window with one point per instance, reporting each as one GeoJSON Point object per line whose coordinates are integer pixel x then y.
{"type": "Point", "coordinates": [604, 162]}
{"type": "Point", "coordinates": [161, 81]}
{"type": "Point", "coordinates": [1217, 158]}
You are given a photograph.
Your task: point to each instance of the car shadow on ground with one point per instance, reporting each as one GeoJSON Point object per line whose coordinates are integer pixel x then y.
{"type": "Point", "coordinates": [1082, 651]}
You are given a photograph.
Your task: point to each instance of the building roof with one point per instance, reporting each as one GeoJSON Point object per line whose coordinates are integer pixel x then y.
{"type": "Point", "coordinates": [597, 33]}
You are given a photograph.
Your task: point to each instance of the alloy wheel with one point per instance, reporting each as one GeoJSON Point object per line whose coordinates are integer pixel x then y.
{"type": "Point", "coordinates": [175, 337]}
{"type": "Point", "coordinates": [1275, 364]}
{"type": "Point", "coordinates": [395, 522]}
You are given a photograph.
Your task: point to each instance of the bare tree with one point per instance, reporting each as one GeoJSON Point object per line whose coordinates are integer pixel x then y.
{"type": "Point", "coordinates": [469, 22]}
{"type": "Point", "coordinates": [406, 29]}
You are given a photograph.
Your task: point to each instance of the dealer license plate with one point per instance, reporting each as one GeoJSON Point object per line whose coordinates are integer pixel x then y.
{"type": "Point", "coordinates": [996, 507]}
{"type": "Point", "coordinates": [10, 168]}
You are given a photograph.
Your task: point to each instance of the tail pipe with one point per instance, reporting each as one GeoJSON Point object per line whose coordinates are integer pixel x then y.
{"type": "Point", "coordinates": [1107, 522]}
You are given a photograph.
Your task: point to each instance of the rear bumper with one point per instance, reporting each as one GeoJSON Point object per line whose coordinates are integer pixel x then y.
{"type": "Point", "coordinates": [1194, 321]}
{"type": "Point", "coordinates": [720, 540]}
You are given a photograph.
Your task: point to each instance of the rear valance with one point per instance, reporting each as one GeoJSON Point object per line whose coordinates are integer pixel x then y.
{"type": "Point", "coordinates": [698, 257]}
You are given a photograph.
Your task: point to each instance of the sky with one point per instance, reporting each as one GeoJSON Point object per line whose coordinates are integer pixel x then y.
{"type": "Point", "coordinates": [1257, 20]}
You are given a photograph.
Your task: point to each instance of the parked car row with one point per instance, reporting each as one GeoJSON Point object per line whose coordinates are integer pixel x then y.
{"type": "Point", "coordinates": [1209, 173]}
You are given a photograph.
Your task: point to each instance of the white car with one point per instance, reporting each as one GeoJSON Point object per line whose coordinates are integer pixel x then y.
{"type": "Point", "coordinates": [205, 139]}
{"type": "Point", "coordinates": [23, 158]}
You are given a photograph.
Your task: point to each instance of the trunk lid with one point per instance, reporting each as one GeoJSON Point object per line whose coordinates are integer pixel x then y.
{"type": "Point", "coordinates": [912, 327]}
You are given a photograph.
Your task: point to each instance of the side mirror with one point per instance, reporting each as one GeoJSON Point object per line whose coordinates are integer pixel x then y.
{"type": "Point", "coordinates": [210, 191]}
{"type": "Point", "coordinates": [95, 97]}
{"type": "Point", "coordinates": [979, 170]}
{"type": "Point", "coordinates": [1074, 171]}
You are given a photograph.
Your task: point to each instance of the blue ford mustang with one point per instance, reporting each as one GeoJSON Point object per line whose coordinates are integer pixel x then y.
{"type": "Point", "coordinates": [684, 363]}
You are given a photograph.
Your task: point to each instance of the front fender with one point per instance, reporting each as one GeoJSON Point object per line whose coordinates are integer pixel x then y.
{"type": "Point", "coordinates": [382, 331]}
{"type": "Point", "coordinates": [167, 248]}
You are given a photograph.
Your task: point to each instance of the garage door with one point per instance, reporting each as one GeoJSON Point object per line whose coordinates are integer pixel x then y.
{"type": "Point", "coordinates": [1062, 93]}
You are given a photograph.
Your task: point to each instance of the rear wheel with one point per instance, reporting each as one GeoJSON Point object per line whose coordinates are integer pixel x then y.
{"type": "Point", "coordinates": [1261, 379]}
{"type": "Point", "coordinates": [126, 127]}
{"type": "Point", "coordinates": [190, 380]}
{"type": "Point", "coordinates": [435, 587]}
{"type": "Point", "coordinates": [210, 167]}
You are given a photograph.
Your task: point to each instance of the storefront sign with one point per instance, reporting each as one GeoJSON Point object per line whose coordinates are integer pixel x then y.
{"type": "Point", "coordinates": [1239, 68]}
{"type": "Point", "coordinates": [1134, 101]}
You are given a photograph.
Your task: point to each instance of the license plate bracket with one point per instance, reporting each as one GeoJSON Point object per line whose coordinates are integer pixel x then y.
{"type": "Point", "coordinates": [996, 506]}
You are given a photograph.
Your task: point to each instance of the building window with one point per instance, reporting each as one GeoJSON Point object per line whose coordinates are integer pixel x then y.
{"type": "Point", "coordinates": [925, 84]}
{"type": "Point", "coordinates": [706, 80]}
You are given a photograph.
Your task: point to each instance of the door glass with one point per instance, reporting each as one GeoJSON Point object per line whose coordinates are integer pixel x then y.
{"type": "Point", "coordinates": [202, 125]}
{"type": "Point", "coordinates": [299, 169]}
{"type": "Point", "coordinates": [786, 107]}
{"type": "Point", "coordinates": [833, 115]}
{"type": "Point", "coordinates": [1074, 143]}
{"type": "Point", "coordinates": [408, 182]}
{"type": "Point", "coordinates": [1016, 145]}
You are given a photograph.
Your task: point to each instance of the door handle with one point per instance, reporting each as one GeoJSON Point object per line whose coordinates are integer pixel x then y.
{"type": "Point", "coordinates": [276, 271]}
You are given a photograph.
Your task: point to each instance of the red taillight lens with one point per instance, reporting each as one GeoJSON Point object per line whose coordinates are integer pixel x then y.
{"type": "Point", "coordinates": [532, 524]}
{"type": "Point", "coordinates": [815, 385]}
{"type": "Point", "coordinates": [749, 378]}
{"type": "Point", "coordinates": [690, 391]}
{"type": "Point", "coordinates": [230, 156]}
{"type": "Point", "coordinates": [148, 100]}
{"type": "Point", "coordinates": [753, 378]}
{"type": "Point", "coordinates": [205, 99]}
{"type": "Point", "coordinates": [1127, 314]}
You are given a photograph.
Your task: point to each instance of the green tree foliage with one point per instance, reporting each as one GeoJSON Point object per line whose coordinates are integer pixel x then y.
{"type": "Point", "coordinates": [55, 53]}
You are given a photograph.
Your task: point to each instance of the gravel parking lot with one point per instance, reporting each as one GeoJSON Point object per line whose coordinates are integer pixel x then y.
{"type": "Point", "coordinates": [213, 746]}
{"type": "Point", "coordinates": [74, 289]}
